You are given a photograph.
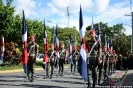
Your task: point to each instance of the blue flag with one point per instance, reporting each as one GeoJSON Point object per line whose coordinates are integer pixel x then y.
{"type": "Point", "coordinates": [24, 40]}
{"type": "Point", "coordinates": [82, 65]}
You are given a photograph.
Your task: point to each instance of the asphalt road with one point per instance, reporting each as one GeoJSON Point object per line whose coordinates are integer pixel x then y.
{"type": "Point", "coordinates": [17, 80]}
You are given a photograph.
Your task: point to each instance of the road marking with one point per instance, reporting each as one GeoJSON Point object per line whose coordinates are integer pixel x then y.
{"type": "Point", "coordinates": [123, 79]}
{"type": "Point", "coordinates": [21, 70]}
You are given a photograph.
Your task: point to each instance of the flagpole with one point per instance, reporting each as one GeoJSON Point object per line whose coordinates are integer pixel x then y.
{"type": "Point", "coordinates": [68, 15]}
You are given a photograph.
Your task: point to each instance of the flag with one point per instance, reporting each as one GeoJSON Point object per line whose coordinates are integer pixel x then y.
{"type": "Point", "coordinates": [57, 39]}
{"type": "Point", "coordinates": [70, 44]}
{"type": "Point", "coordinates": [45, 39]}
{"type": "Point", "coordinates": [82, 33]}
{"type": "Point", "coordinates": [111, 45]}
{"type": "Point", "coordinates": [45, 59]}
{"type": "Point", "coordinates": [2, 47]}
{"type": "Point", "coordinates": [70, 48]}
{"type": "Point", "coordinates": [108, 44]}
{"type": "Point", "coordinates": [57, 61]}
{"type": "Point", "coordinates": [98, 34]}
{"type": "Point", "coordinates": [24, 40]}
{"type": "Point", "coordinates": [57, 47]}
{"type": "Point", "coordinates": [82, 65]}
{"type": "Point", "coordinates": [52, 35]}
{"type": "Point", "coordinates": [75, 43]}
{"type": "Point", "coordinates": [105, 41]}
{"type": "Point", "coordinates": [92, 27]}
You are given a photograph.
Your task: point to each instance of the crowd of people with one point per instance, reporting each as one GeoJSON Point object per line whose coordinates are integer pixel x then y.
{"type": "Point", "coordinates": [101, 61]}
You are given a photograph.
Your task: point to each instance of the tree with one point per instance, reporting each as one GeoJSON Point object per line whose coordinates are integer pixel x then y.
{"type": "Point", "coordinates": [121, 42]}
{"type": "Point", "coordinates": [6, 15]}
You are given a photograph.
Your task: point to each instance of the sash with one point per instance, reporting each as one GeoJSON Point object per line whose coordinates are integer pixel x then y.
{"type": "Point", "coordinates": [105, 56]}
{"type": "Point", "coordinates": [91, 50]}
{"type": "Point", "coordinates": [61, 53]}
{"type": "Point", "coordinates": [30, 49]}
{"type": "Point", "coordinates": [51, 56]}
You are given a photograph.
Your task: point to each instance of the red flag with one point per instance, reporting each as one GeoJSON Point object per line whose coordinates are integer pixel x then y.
{"type": "Point", "coordinates": [57, 39]}
{"type": "Point", "coordinates": [24, 40]}
{"type": "Point", "coordinates": [45, 59]}
{"type": "Point", "coordinates": [2, 46]}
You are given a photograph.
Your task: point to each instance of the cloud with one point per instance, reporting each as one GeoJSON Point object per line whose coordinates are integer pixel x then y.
{"type": "Point", "coordinates": [56, 10]}
{"type": "Point", "coordinates": [59, 6]}
{"type": "Point", "coordinates": [28, 6]}
{"type": "Point", "coordinates": [128, 30]}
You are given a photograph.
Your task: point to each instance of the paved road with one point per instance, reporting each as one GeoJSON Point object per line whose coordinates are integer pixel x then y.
{"type": "Point", "coordinates": [129, 79]}
{"type": "Point", "coordinates": [16, 80]}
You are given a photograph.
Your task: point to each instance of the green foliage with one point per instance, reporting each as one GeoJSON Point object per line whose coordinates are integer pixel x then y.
{"type": "Point", "coordinates": [11, 28]}
{"type": "Point", "coordinates": [121, 42]}
{"type": "Point", "coordinates": [14, 67]}
{"type": "Point", "coordinates": [64, 34]}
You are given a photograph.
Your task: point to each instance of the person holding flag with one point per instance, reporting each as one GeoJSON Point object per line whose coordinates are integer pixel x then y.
{"type": "Point", "coordinates": [52, 57]}
{"type": "Point", "coordinates": [62, 59]}
{"type": "Point", "coordinates": [32, 49]}
{"type": "Point", "coordinates": [105, 57]}
{"type": "Point", "coordinates": [45, 58]}
{"type": "Point", "coordinates": [93, 57]}
{"type": "Point", "coordinates": [101, 64]}
{"type": "Point", "coordinates": [75, 55]}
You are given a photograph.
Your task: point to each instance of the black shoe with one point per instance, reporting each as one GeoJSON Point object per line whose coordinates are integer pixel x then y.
{"type": "Point", "coordinates": [44, 77]}
{"type": "Point", "coordinates": [51, 77]}
{"type": "Point", "coordinates": [62, 75]}
{"type": "Point", "coordinates": [32, 80]}
{"type": "Point", "coordinates": [99, 82]}
{"type": "Point", "coordinates": [47, 76]}
{"type": "Point", "coordinates": [89, 85]}
{"type": "Point", "coordinates": [96, 82]}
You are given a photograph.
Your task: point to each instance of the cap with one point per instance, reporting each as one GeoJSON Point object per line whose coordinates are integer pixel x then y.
{"type": "Point", "coordinates": [92, 31]}
{"type": "Point", "coordinates": [113, 51]}
{"type": "Point", "coordinates": [51, 45]}
{"type": "Point", "coordinates": [31, 37]}
{"type": "Point", "coordinates": [74, 47]}
{"type": "Point", "coordinates": [104, 46]}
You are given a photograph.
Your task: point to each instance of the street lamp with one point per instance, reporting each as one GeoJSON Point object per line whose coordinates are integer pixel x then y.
{"type": "Point", "coordinates": [52, 32]}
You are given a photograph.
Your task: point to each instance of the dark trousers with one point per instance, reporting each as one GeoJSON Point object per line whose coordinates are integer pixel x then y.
{"type": "Point", "coordinates": [52, 67]}
{"type": "Point", "coordinates": [31, 65]}
{"type": "Point", "coordinates": [106, 66]}
{"type": "Point", "coordinates": [92, 66]}
{"type": "Point", "coordinates": [111, 66]}
{"type": "Point", "coordinates": [74, 64]}
{"type": "Point", "coordinates": [61, 66]}
{"type": "Point", "coordinates": [100, 68]}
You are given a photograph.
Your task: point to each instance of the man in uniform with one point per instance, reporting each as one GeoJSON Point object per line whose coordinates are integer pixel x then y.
{"type": "Point", "coordinates": [111, 61]}
{"type": "Point", "coordinates": [115, 58]}
{"type": "Point", "coordinates": [105, 57]}
{"type": "Point", "coordinates": [74, 58]}
{"type": "Point", "coordinates": [52, 58]}
{"type": "Point", "coordinates": [94, 59]}
{"type": "Point", "coordinates": [62, 59]}
{"type": "Point", "coordinates": [101, 65]}
{"type": "Point", "coordinates": [33, 53]}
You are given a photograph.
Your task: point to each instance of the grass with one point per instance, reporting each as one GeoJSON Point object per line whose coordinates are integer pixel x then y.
{"type": "Point", "coordinates": [7, 67]}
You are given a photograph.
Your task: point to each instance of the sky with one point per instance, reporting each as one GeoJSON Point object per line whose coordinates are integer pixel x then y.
{"type": "Point", "coordinates": [55, 12]}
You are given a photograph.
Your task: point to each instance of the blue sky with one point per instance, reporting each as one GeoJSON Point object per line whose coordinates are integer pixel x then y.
{"type": "Point", "coordinates": [106, 11]}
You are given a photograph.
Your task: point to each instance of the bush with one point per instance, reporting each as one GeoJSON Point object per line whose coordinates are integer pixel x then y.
{"type": "Point", "coordinates": [38, 63]}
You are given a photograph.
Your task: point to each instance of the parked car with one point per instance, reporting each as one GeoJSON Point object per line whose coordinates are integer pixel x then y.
{"type": "Point", "coordinates": [40, 57]}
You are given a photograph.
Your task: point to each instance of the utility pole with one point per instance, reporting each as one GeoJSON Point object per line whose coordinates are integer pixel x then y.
{"type": "Point", "coordinates": [132, 33]}
{"type": "Point", "coordinates": [68, 15]}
